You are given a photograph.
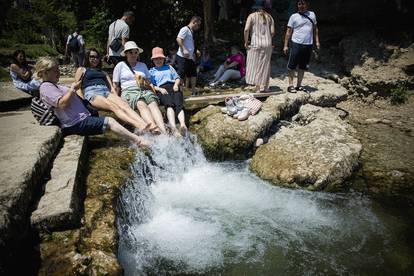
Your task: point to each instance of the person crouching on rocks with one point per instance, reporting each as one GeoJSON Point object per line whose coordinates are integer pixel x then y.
{"type": "Point", "coordinates": [69, 109]}
{"type": "Point", "coordinates": [98, 89]}
{"type": "Point", "coordinates": [166, 81]}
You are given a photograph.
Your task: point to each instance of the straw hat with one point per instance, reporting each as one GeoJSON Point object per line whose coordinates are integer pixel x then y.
{"type": "Point", "coordinates": [157, 52]}
{"type": "Point", "coordinates": [129, 46]}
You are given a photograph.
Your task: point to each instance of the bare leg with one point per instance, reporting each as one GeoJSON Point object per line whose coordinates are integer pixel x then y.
{"type": "Point", "coordinates": [181, 119]}
{"type": "Point", "coordinates": [120, 130]}
{"type": "Point", "coordinates": [157, 116]}
{"type": "Point", "coordinates": [171, 118]}
{"type": "Point", "coordinates": [291, 76]}
{"type": "Point", "coordinates": [103, 103]}
{"type": "Point", "coordinates": [193, 85]}
{"type": "Point", "coordinates": [145, 113]}
{"type": "Point", "coordinates": [301, 73]}
{"type": "Point", "coordinates": [139, 122]}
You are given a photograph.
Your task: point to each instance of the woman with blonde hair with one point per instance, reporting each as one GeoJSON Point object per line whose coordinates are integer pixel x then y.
{"type": "Point", "coordinates": [68, 107]}
{"type": "Point", "coordinates": [258, 34]}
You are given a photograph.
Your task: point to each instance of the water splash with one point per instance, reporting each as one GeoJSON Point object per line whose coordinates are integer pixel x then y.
{"type": "Point", "coordinates": [182, 214]}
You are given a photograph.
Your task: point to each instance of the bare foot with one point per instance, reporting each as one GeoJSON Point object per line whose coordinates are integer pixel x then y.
{"type": "Point", "coordinates": [183, 130]}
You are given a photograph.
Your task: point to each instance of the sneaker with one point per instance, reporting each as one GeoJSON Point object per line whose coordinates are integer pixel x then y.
{"type": "Point", "coordinates": [291, 89]}
{"type": "Point", "coordinates": [231, 107]}
{"type": "Point", "coordinates": [244, 114]}
{"type": "Point", "coordinates": [212, 84]}
{"type": "Point", "coordinates": [302, 88]}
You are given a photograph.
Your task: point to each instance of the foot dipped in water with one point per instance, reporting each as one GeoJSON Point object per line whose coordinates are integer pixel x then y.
{"type": "Point", "coordinates": [142, 142]}
{"type": "Point", "coordinates": [184, 131]}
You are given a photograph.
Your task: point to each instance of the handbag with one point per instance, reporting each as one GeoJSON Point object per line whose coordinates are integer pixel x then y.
{"type": "Point", "coordinates": [116, 43]}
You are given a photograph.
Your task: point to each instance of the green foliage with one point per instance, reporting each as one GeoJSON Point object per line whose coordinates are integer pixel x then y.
{"type": "Point", "coordinates": [96, 29]}
{"type": "Point", "coordinates": [399, 94]}
{"type": "Point", "coordinates": [4, 75]}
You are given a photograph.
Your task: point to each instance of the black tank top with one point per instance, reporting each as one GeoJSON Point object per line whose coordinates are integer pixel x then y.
{"type": "Point", "coordinates": [93, 77]}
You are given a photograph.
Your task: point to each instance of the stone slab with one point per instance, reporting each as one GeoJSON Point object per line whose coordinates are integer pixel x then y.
{"type": "Point", "coordinates": [26, 150]}
{"type": "Point", "coordinates": [59, 207]}
{"type": "Point", "coordinates": [12, 98]}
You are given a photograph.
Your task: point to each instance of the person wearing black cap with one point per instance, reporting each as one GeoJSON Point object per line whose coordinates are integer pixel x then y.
{"type": "Point", "coordinates": [301, 33]}
{"type": "Point", "coordinates": [258, 33]}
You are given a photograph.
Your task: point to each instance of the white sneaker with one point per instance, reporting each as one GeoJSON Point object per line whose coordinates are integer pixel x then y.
{"type": "Point", "coordinates": [212, 84]}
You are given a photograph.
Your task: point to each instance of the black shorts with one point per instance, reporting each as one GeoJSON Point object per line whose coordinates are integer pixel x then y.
{"type": "Point", "coordinates": [89, 126]}
{"type": "Point", "coordinates": [186, 67]}
{"type": "Point", "coordinates": [172, 99]}
{"type": "Point", "coordinates": [299, 56]}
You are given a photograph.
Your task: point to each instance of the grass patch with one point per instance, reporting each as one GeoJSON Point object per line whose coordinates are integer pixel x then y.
{"type": "Point", "coordinates": [7, 47]}
{"type": "Point", "coordinates": [399, 94]}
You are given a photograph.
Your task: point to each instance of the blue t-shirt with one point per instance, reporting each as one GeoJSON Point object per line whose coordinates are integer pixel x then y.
{"type": "Point", "coordinates": [162, 75]}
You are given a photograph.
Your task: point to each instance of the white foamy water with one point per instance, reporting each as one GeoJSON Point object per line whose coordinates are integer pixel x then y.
{"type": "Point", "coordinates": [183, 214]}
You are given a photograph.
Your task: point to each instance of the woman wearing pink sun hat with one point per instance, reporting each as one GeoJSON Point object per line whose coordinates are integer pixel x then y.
{"type": "Point", "coordinates": [167, 81]}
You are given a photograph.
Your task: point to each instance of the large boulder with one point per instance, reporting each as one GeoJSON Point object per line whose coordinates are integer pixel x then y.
{"type": "Point", "coordinates": [317, 153]}
{"type": "Point", "coordinates": [223, 137]}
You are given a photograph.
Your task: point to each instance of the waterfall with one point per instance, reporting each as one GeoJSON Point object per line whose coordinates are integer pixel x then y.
{"type": "Point", "coordinates": [182, 214]}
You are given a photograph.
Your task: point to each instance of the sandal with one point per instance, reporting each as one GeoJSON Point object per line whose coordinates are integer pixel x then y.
{"type": "Point", "coordinates": [302, 88]}
{"type": "Point", "coordinates": [291, 89]}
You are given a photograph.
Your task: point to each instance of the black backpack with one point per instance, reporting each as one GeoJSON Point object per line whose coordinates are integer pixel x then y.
{"type": "Point", "coordinates": [74, 44]}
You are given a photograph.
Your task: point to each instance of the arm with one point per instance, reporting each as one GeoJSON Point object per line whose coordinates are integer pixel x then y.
{"type": "Point", "coordinates": [79, 75]}
{"type": "Point", "coordinates": [247, 32]}
{"type": "Point", "coordinates": [111, 86]}
{"type": "Point", "coordinates": [272, 27]}
{"type": "Point", "coordinates": [117, 87]}
{"type": "Point", "coordinates": [287, 38]}
{"type": "Point", "coordinates": [64, 100]}
{"type": "Point", "coordinates": [25, 75]}
{"type": "Point", "coordinates": [318, 45]}
{"type": "Point", "coordinates": [233, 64]}
{"type": "Point", "coordinates": [176, 86]}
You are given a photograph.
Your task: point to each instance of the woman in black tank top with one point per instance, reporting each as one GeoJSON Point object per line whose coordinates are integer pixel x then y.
{"type": "Point", "coordinates": [98, 89]}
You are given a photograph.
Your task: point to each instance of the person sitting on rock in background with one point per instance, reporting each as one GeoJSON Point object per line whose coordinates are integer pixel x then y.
{"type": "Point", "coordinates": [98, 89]}
{"type": "Point", "coordinates": [68, 107]}
{"type": "Point", "coordinates": [232, 69]}
{"type": "Point", "coordinates": [21, 74]}
{"type": "Point", "coordinates": [132, 80]}
{"type": "Point", "coordinates": [206, 63]}
{"type": "Point", "coordinates": [301, 32]}
{"type": "Point", "coordinates": [167, 81]}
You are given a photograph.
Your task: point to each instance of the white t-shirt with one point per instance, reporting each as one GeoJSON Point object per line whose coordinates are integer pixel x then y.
{"type": "Point", "coordinates": [123, 75]}
{"type": "Point", "coordinates": [188, 41]}
{"type": "Point", "coordinates": [121, 30]}
{"type": "Point", "coordinates": [302, 27]}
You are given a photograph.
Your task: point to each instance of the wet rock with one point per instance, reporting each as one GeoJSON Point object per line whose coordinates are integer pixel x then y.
{"type": "Point", "coordinates": [319, 153]}
{"type": "Point", "coordinates": [223, 137]}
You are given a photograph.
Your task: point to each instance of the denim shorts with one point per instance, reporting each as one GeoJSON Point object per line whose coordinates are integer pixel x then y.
{"type": "Point", "coordinates": [88, 126]}
{"type": "Point", "coordinates": [92, 91]}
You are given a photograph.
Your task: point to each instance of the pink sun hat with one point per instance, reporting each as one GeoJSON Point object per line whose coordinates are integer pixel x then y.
{"type": "Point", "coordinates": [157, 52]}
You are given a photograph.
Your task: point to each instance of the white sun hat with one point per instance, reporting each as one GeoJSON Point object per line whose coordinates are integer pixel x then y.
{"type": "Point", "coordinates": [129, 46]}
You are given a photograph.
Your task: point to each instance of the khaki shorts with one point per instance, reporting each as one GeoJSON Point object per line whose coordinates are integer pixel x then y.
{"type": "Point", "coordinates": [134, 94]}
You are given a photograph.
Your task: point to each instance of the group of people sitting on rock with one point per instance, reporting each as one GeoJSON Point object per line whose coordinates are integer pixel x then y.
{"type": "Point", "coordinates": [132, 87]}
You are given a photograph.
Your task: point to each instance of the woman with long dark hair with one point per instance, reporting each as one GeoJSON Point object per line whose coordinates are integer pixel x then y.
{"type": "Point", "coordinates": [98, 89]}
{"type": "Point", "coordinates": [21, 74]}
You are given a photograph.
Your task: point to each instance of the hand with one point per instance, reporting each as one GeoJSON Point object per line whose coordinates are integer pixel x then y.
{"type": "Point", "coordinates": [318, 45]}
{"type": "Point", "coordinates": [76, 85]}
{"type": "Point", "coordinates": [162, 91]}
{"type": "Point", "coordinates": [286, 50]}
{"type": "Point", "coordinates": [176, 88]}
{"type": "Point", "coordinates": [186, 53]}
{"type": "Point", "coordinates": [246, 45]}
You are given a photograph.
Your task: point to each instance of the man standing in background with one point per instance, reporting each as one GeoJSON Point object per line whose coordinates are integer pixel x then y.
{"type": "Point", "coordinates": [186, 55]}
{"type": "Point", "coordinates": [118, 35]}
{"type": "Point", "coordinates": [75, 47]}
{"type": "Point", "coordinates": [301, 32]}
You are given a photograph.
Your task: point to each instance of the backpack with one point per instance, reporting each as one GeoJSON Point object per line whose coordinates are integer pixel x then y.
{"type": "Point", "coordinates": [74, 44]}
{"type": "Point", "coordinates": [43, 113]}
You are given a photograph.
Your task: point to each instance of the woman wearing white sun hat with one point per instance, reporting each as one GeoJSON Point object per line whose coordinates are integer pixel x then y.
{"type": "Point", "coordinates": [130, 78]}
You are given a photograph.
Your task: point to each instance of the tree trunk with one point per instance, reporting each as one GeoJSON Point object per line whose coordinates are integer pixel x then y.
{"type": "Point", "coordinates": [208, 22]}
